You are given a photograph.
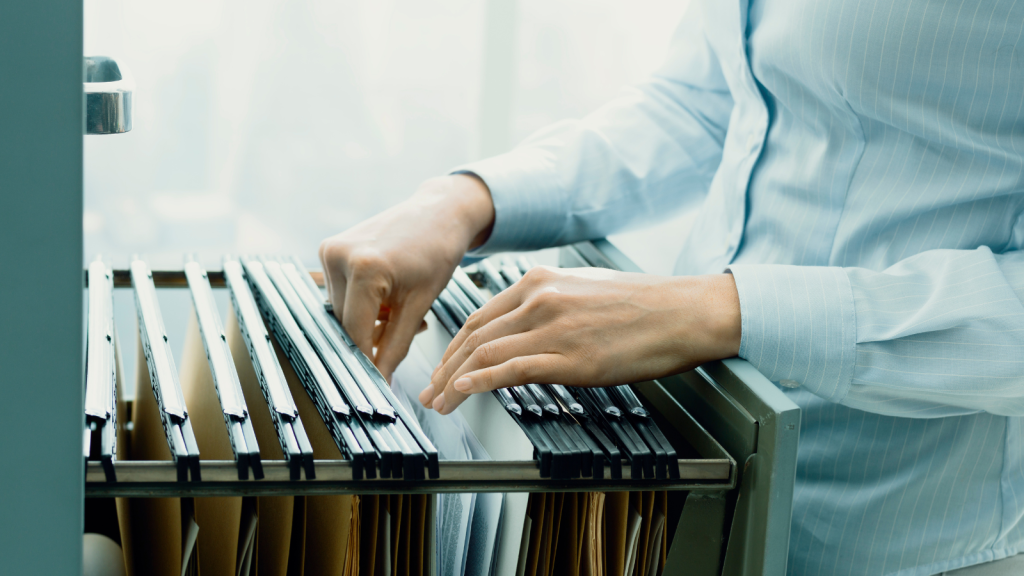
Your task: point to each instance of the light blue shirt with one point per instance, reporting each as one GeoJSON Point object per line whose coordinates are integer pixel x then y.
{"type": "Point", "coordinates": [858, 165]}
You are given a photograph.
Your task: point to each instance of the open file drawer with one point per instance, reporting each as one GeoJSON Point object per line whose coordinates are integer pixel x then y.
{"type": "Point", "coordinates": [735, 520]}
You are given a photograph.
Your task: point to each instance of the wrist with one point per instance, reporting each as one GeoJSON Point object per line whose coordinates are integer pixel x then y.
{"type": "Point", "coordinates": [474, 206]}
{"type": "Point", "coordinates": [462, 199]}
{"type": "Point", "coordinates": [712, 309]}
{"type": "Point", "coordinates": [724, 320]}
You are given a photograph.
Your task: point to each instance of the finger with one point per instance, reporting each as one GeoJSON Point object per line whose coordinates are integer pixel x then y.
{"type": "Point", "coordinates": [539, 369]}
{"type": "Point", "coordinates": [507, 325]}
{"type": "Point", "coordinates": [486, 355]}
{"type": "Point", "coordinates": [394, 343]}
{"type": "Point", "coordinates": [426, 396]}
{"type": "Point", "coordinates": [326, 276]}
{"type": "Point", "coordinates": [502, 304]}
{"type": "Point", "coordinates": [335, 282]}
{"type": "Point", "coordinates": [359, 314]}
{"type": "Point", "coordinates": [423, 327]}
{"type": "Point", "coordinates": [378, 331]}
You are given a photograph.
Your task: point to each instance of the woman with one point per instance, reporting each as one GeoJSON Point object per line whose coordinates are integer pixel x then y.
{"type": "Point", "coordinates": [859, 174]}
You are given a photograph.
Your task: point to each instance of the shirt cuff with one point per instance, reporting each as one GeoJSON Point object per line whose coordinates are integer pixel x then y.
{"type": "Point", "coordinates": [799, 325]}
{"type": "Point", "coordinates": [530, 205]}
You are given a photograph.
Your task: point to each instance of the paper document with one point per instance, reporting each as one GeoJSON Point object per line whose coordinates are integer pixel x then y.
{"type": "Point", "coordinates": [189, 534]}
{"type": "Point", "coordinates": [654, 551]}
{"type": "Point", "coordinates": [632, 540]}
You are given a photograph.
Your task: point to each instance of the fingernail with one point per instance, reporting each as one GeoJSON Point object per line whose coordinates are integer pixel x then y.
{"type": "Point", "coordinates": [463, 384]}
{"type": "Point", "coordinates": [426, 395]}
{"type": "Point", "coordinates": [439, 403]}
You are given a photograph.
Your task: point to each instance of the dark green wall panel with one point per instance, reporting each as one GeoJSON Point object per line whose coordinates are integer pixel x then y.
{"type": "Point", "coordinates": [41, 307]}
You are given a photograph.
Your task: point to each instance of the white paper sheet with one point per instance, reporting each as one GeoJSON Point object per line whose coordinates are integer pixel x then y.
{"type": "Point", "coordinates": [654, 552]}
{"type": "Point", "coordinates": [632, 541]}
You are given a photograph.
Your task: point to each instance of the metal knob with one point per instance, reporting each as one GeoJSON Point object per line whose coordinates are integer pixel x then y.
{"type": "Point", "coordinates": [108, 96]}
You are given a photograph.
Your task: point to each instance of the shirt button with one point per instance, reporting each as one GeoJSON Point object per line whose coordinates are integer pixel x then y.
{"type": "Point", "coordinates": [789, 383]}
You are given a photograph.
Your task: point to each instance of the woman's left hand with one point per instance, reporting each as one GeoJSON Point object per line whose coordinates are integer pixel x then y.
{"type": "Point", "coordinates": [588, 327]}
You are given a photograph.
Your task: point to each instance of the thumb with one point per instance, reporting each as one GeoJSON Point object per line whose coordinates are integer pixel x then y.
{"type": "Point", "coordinates": [401, 328]}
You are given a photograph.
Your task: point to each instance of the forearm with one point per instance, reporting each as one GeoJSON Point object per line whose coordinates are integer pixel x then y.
{"type": "Point", "coordinates": [650, 152]}
{"type": "Point", "coordinates": [463, 199]}
{"type": "Point", "coordinates": [639, 159]}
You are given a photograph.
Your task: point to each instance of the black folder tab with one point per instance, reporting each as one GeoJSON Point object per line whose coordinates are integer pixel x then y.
{"type": "Point", "coordinates": [603, 402]}
{"type": "Point", "coordinates": [163, 375]}
{"type": "Point", "coordinates": [292, 340]}
{"type": "Point", "coordinates": [495, 282]}
{"type": "Point", "coordinates": [527, 401]}
{"type": "Point", "coordinates": [448, 323]}
{"type": "Point", "coordinates": [457, 312]}
{"type": "Point", "coordinates": [463, 282]}
{"type": "Point", "coordinates": [571, 404]}
{"type": "Point", "coordinates": [511, 273]}
{"type": "Point", "coordinates": [339, 341]}
{"type": "Point", "coordinates": [627, 399]}
{"type": "Point", "coordinates": [291, 435]}
{"type": "Point", "coordinates": [546, 402]}
{"type": "Point", "coordinates": [331, 363]}
{"type": "Point", "coordinates": [101, 372]}
{"type": "Point", "coordinates": [225, 378]}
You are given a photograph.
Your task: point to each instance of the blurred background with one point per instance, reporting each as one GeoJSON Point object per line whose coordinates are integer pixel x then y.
{"type": "Point", "coordinates": [265, 126]}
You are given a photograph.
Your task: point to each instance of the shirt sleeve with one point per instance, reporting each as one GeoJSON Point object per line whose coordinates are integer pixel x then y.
{"type": "Point", "coordinates": [938, 334]}
{"type": "Point", "coordinates": [647, 154]}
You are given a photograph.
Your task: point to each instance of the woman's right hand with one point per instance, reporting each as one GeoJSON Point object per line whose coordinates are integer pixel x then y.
{"type": "Point", "coordinates": [392, 266]}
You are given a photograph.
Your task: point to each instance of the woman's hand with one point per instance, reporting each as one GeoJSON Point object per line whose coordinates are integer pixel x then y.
{"type": "Point", "coordinates": [392, 266]}
{"type": "Point", "coordinates": [588, 327]}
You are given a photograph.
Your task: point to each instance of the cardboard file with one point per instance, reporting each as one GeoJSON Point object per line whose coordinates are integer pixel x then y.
{"type": "Point", "coordinates": [220, 517]}
{"type": "Point", "coordinates": [355, 528]}
{"type": "Point", "coordinates": [273, 532]}
{"type": "Point", "coordinates": [616, 531]}
{"type": "Point", "coordinates": [326, 519]}
{"type": "Point", "coordinates": [151, 528]}
{"type": "Point", "coordinates": [647, 512]}
{"type": "Point", "coordinates": [247, 537]}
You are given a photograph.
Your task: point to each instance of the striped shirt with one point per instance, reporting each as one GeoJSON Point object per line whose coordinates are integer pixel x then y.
{"type": "Point", "coordinates": [858, 166]}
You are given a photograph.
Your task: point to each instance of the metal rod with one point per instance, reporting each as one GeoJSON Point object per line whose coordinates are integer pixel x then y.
{"type": "Point", "coordinates": [176, 278]}
{"type": "Point", "coordinates": [157, 478]}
